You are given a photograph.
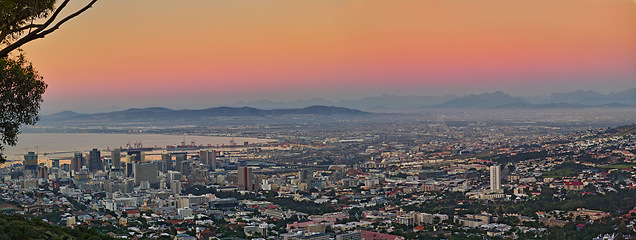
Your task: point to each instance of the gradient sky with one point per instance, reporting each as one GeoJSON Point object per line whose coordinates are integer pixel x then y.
{"type": "Point", "coordinates": [213, 52]}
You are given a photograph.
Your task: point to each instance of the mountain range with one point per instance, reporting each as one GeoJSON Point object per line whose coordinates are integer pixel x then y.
{"type": "Point", "coordinates": [485, 100]}
{"type": "Point", "coordinates": [317, 106]}
{"type": "Point", "coordinates": [165, 114]}
{"type": "Point", "coordinates": [369, 103]}
{"type": "Point", "coordinates": [627, 97]}
{"type": "Point", "coordinates": [576, 99]}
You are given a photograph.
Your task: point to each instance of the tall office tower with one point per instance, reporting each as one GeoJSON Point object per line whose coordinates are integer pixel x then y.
{"type": "Point", "coordinates": [31, 161]}
{"type": "Point", "coordinates": [186, 167]}
{"type": "Point", "coordinates": [175, 186]}
{"type": "Point", "coordinates": [179, 158]}
{"type": "Point", "coordinates": [208, 157]}
{"type": "Point", "coordinates": [84, 162]}
{"type": "Point", "coordinates": [128, 169]}
{"type": "Point", "coordinates": [136, 154]}
{"type": "Point", "coordinates": [42, 172]}
{"type": "Point", "coordinates": [174, 176]}
{"type": "Point", "coordinates": [167, 159]}
{"type": "Point", "coordinates": [130, 159]}
{"type": "Point", "coordinates": [115, 155]}
{"type": "Point", "coordinates": [212, 159]}
{"type": "Point", "coordinates": [76, 162]}
{"type": "Point", "coordinates": [246, 178]}
{"type": "Point", "coordinates": [55, 162]}
{"type": "Point", "coordinates": [95, 160]}
{"type": "Point", "coordinates": [495, 177]}
{"type": "Point", "coordinates": [305, 176]}
{"type": "Point", "coordinates": [128, 166]}
{"type": "Point", "coordinates": [146, 172]}
{"type": "Point", "coordinates": [203, 157]}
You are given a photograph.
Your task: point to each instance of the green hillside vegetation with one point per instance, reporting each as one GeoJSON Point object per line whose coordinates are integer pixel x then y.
{"type": "Point", "coordinates": [567, 169]}
{"type": "Point", "coordinates": [618, 166]}
{"type": "Point", "coordinates": [19, 227]}
{"type": "Point", "coordinates": [8, 207]}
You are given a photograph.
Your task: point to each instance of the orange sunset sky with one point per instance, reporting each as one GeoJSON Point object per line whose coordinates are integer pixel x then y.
{"type": "Point", "coordinates": [180, 54]}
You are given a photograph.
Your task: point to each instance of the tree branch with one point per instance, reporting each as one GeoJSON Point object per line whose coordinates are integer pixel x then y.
{"type": "Point", "coordinates": [8, 32]}
{"type": "Point", "coordinates": [42, 30]}
{"type": "Point", "coordinates": [27, 27]}
{"type": "Point", "coordinates": [69, 17]}
{"type": "Point", "coordinates": [53, 17]}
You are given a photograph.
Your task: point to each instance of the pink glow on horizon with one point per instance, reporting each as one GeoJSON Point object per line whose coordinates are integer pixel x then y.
{"type": "Point", "coordinates": [273, 48]}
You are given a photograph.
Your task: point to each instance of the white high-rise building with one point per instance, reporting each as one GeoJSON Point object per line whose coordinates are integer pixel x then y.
{"type": "Point", "coordinates": [495, 178]}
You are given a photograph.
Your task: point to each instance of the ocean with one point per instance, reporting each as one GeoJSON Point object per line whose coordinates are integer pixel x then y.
{"type": "Point", "coordinates": [61, 145]}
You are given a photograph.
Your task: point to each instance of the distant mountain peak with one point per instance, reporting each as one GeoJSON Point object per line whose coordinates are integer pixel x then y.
{"type": "Point", "coordinates": [63, 114]}
{"type": "Point", "coordinates": [165, 114]}
{"type": "Point", "coordinates": [484, 100]}
{"type": "Point", "coordinates": [67, 112]}
{"type": "Point", "coordinates": [590, 97]}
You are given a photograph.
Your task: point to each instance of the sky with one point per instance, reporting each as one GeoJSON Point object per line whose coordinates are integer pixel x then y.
{"type": "Point", "coordinates": [124, 53]}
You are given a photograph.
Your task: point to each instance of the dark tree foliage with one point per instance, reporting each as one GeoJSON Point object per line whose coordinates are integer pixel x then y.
{"type": "Point", "coordinates": [22, 21]}
{"type": "Point", "coordinates": [17, 16]}
{"type": "Point", "coordinates": [19, 227]}
{"type": "Point", "coordinates": [21, 90]}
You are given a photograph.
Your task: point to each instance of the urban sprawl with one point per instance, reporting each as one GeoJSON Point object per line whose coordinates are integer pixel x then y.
{"type": "Point", "coordinates": [421, 181]}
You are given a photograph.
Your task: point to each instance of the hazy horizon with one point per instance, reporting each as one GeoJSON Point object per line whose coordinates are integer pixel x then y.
{"type": "Point", "coordinates": [134, 54]}
{"type": "Point", "coordinates": [202, 103]}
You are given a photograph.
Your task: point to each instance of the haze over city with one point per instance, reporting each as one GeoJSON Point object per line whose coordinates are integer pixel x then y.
{"type": "Point", "coordinates": [318, 120]}
{"type": "Point", "coordinates": [212, 53]}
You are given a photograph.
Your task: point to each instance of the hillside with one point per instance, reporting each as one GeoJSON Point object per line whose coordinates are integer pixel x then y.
{"type": "Point", "coordinates": [19, 227]}
{"type": "Point", "coordinates": [485, 100]}
{"type": "Point", "coordinates": [165, 114]}
{"type": "Point", "coordinates": [622, 130]}
{"type": "Point", "coordinates": [627, 97]}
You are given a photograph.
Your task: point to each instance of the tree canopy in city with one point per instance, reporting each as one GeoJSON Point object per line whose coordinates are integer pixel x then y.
{"type": "Point", "coordinates": [21, 87]}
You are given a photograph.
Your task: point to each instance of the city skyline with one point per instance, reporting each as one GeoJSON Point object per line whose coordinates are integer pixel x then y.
{"type": "Point", "coordinates": [218, 53]}
{"type": "Point", "coordinates": [318, 120]}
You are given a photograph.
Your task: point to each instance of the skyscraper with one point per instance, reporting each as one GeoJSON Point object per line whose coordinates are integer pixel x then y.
{"type": "Point", "coordinates": [212, 159]}
{"type": "Point", "coordinates": [246, 178]}
{"type": "Point", "coordinates": [84, 162]}
{"type": "Point", "coordinates": [55, 162]}
{"type": "Point", "coordinates": [147, 171]}
{"type": "Point", "coordinates": [95, 160]}
{"type": "Point", "coordinates": [208, 157]}
{"type": "Point", "coordinates": [76, 162]}
{"type": "Point", "coordinates": [128, 166]}
{"type": "Point", "coordinates": [137, 155]}
{"type": "Point", "coordinates": [179, 159]}
{"type": "Point", "coordinates": [31, 161]}
{"type": "Point", "coordinates": [42, 172]}
{"type": "Point", "coordinates": [203, 156]}
{"type": "Point", "coordinates": [175, 186]}
{"type": "Point", "coordinates": [167, 159]}
{"type": "Point", "coordinates": [495, 178]}
{"type": "Point", "coordinates": [115, 155]}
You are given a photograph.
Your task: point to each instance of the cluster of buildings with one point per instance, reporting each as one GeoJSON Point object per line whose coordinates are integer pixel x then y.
{"type": "Point", "coordinates": [262, 192]}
